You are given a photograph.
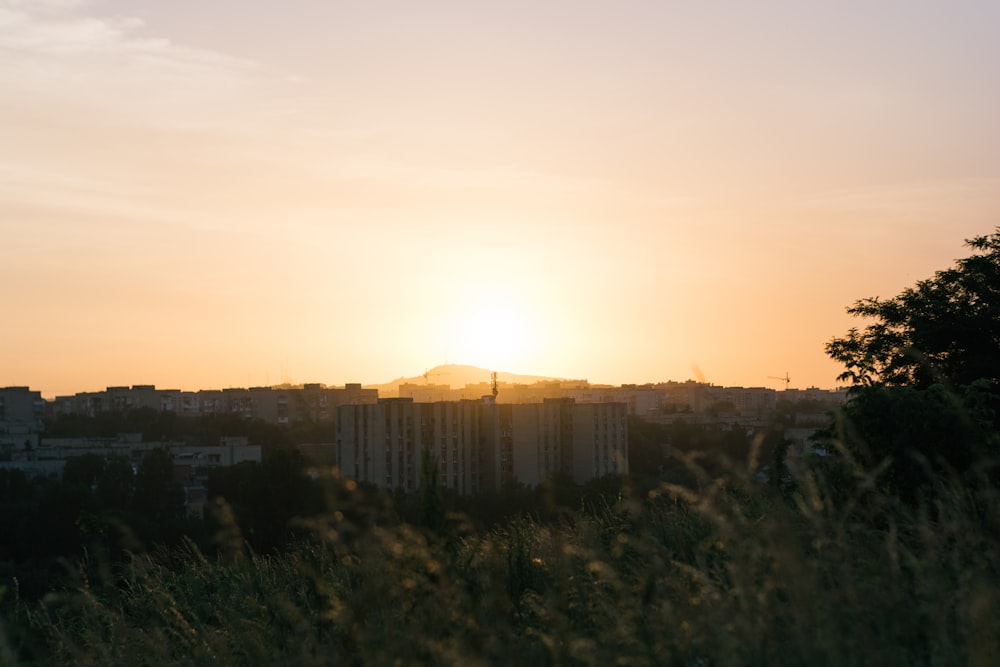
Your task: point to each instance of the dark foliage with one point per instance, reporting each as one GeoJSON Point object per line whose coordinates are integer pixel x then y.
{"type": "Point", "coordinates": [926, 376]}
{"type": "Point", "coordinates": [944, 330]}
{"type": "Point", "coordinates": [265, 497]}
{"type": "Point", "coordinates": [158, 496]}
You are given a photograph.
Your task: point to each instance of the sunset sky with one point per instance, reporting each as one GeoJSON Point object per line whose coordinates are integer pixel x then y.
{"type": "Point", "coordinates": [215, 194]}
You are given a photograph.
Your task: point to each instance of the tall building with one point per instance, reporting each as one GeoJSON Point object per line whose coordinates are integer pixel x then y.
{"type": "Point", "coordinates": [22, 419]}
{"type": "Point", "coordinates": [389, 442]}
{"type": "Point", "coordinates": [531, 442]}
{"type": "Point", "coordinates": [480, 445]}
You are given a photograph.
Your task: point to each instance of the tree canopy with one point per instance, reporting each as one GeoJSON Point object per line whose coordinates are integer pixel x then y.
{"type": "Point", "coordinates": [945, 329]}
{"type": "Point", "coordinates": [926, 375]}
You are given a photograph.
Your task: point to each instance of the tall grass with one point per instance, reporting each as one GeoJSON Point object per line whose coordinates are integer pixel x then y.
{"type": "Point", "coordinates": [723, 571]}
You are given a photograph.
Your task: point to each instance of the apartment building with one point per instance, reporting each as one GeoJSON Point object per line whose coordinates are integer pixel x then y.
{"type": "Point", "coordinates": [22, 419]}
{"type": "Point", "coordinates": [389, 442]}
{"type": "Point", "coordinates": [480, 445]}
{"type": "Point", "coordinates": [275, 405]}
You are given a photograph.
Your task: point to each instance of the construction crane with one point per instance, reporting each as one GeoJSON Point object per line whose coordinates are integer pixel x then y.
{"type": "Point", "coordinates": [493, 385]}
{"type": "Point", "coordinates": [787, 380]}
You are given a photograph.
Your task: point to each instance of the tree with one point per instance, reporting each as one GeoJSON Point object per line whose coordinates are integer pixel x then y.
{"type": "Point", "coordinates": [923, 432]}
{"type": "Point", "coordinates": [116, 485]}
{"type": "Point", "coordinates": [926, 374]}
{"type": "Point", "coordinates": [157, 495]}
{"type": "Point", "coordinates": [84, 470]}
{"type": "Point", "coordinates": [645, 447]}
{"type": "Point", "coordinates": [945, 329]}
{"type": "Point", "coordinates": [432, 513]}
{"type": "Point", "coordinates": [266, 497]}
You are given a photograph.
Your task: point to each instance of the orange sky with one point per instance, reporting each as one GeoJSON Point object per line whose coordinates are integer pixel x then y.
{"type": "Point", "coordinates": [248, 193]}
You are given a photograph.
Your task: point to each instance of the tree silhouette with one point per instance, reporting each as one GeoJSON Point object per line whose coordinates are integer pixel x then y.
{"type": "Point", "coordinates": [116, 485]}
{"type": "Point", "coordinates": [945, 329]}
{"type": "Point", "coordinates": [926, 374]}
{"type": "Point", "coordinates": [85, 470]}
{"type": "Point", "coordinates": [432, 513]}
{"type": "Point", "coordinates": [157, 495]}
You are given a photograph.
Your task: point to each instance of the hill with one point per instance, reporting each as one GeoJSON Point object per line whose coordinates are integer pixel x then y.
{"type": "Point", "coordinates": [457, 376]}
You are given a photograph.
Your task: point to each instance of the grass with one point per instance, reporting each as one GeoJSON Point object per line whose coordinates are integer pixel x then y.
{"type": "Point", "coordinates": [723, 571]}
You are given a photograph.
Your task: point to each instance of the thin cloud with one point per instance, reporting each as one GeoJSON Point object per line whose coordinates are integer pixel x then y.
{"type": "Point", "coordinates": [56, 54]}
{"type": "Point", "coordinates": [57, 28]}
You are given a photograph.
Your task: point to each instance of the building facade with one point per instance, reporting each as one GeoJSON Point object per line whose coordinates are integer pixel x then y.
{"type": "Point", "coordinates": [275, 405]}
{"type": "Point", "coordinates": [480, 445]}
{"type": "Point", "coordinates": [22, 420]}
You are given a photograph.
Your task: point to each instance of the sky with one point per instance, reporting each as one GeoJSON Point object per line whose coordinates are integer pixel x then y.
{"type": "Point", "coordinates": [206, 195]}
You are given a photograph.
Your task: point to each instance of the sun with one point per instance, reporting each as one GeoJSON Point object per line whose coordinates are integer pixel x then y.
{"type": "Point", "coordinates": [490, 335]}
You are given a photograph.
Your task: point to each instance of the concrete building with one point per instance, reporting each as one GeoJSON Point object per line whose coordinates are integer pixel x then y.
{"type": "Point", "coordinates": [528, 443]}
{"type": "Point", "coordinates": [275, 405]}
{"type": "Point", "coordinates": [480, 445]}
{"type": "Point", "coordinates": [388, 443]}
{"type": "Point", "coordinates": [21, 409]}
{"type": "Point", "coordinates": [22, 419]}
{"type": "Point", "coordinates": [826, 397]}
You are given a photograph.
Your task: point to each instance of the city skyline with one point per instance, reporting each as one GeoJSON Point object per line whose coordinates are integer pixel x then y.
{"type": "Point", "coordinates": [460, 379]}
{"type": "Point", "coordinates": [245, 195]}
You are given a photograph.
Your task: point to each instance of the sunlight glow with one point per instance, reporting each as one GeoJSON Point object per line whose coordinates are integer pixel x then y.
{"type": "Point", "coordinates": [490, 335]}
{"type": "Point", "coordinates": [197, 198]}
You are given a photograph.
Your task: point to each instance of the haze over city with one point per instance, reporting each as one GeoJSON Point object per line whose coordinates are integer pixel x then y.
{"type": "Point", "coordinates": [231, 194]}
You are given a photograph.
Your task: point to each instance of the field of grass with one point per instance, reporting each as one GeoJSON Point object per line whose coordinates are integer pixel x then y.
{"type": "Point", "coordinates": [723, 570]}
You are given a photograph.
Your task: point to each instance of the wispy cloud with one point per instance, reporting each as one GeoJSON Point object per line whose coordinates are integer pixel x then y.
{"type": "Point", "coordinates": [101, 116]}
{"type": "Point", "coordinates": [60, 27]}
{"type": "Point", "coordinates": [62, 52]}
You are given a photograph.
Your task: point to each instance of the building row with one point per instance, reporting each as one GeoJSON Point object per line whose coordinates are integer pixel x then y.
{"type": "Point", "coordinates": [22, 410]}
{"type": "Point", "coordinates": [473, 445]}
{"type": "Point", "coordinates": [475, 439]}
{"type": "Point", "coordinates": [642, 400]}
{"type": "Point", "coordinates": [276, 405]}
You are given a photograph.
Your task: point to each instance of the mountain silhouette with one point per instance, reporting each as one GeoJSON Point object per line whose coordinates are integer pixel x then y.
{"type": "Point", "coordinates": [459, 375]}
